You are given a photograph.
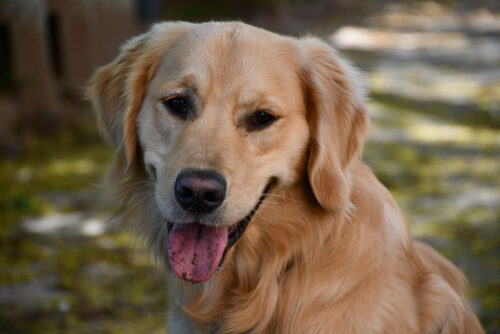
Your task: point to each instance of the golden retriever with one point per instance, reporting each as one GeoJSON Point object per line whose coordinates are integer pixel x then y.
{"type": "Point", "coordinates": [237, 156]}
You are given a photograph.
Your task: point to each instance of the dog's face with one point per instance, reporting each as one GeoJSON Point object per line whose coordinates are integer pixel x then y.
{"type": "Point", "coordinates": [216, 127]}
{"type": "Point", "coordinates": [216, 114]}
{"type": "Point", "coordinates": [223, 113]}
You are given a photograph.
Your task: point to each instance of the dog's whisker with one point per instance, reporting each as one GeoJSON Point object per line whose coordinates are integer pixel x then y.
{"type": "Point", "coordinates": [137, 201]}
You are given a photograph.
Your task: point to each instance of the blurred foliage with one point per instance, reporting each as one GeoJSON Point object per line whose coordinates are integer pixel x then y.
{"type": "Point", "coordinates": [102, 286]}
{"type": "Point", "coordinates": [436, 181]}
{"type": "Point", "coordinates": [62, 162]}
{"type": "Point", "coordinates": [90, 280]}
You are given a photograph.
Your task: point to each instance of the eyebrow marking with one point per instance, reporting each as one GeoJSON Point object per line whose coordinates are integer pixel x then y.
{"type": "Point", "coordinates": [189, 81]}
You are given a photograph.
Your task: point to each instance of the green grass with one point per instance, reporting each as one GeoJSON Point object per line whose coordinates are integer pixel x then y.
{"type": "Point", "coordinates": [102, 284]}
{"type": "Point", "coordinates": [57, 164]}
{"type": "Point", "coordinates": [100, 290]}
{"type": "Point", "coordinates": [436, 172]}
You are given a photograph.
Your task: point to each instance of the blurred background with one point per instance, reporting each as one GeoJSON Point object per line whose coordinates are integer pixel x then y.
{"type": "Point", "coordinates": [433, 72]}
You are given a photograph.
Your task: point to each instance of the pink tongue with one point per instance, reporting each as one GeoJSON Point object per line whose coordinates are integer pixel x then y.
{"type": "Point", "coordinates": [195, 250]}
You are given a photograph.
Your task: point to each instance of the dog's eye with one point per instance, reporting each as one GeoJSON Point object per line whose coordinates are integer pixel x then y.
{"type": "Point", "coordinates": [178, 105]}
{"type": "Point", "coordinates": [259, 120]}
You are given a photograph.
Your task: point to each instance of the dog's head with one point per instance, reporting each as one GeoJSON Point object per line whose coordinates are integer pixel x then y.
{"type": "Point", "coordinates": [217, 115]}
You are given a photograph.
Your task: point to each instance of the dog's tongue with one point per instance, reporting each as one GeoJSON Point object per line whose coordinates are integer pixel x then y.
{"type": "Point", "coordinates": [195, 250]}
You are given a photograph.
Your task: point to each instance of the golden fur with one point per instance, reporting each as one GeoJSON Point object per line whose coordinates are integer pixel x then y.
{"type": "Point", "coordinates": [328, 251]}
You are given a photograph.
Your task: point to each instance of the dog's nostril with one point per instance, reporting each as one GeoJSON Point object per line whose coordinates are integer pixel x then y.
{"type": "Point", "coordinates": [200, 190]}
{"type": "Point", "coordinates": [213, 196]}
{"type": "Point", "coordinates": [185, 192]}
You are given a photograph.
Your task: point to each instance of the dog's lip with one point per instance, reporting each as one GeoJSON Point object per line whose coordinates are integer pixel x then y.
{"type": "Point", "coordinates": [236, 231]}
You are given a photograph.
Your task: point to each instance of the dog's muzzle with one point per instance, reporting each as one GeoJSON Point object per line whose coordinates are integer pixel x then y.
{"type": "Point", "coordinates": [197, 250]}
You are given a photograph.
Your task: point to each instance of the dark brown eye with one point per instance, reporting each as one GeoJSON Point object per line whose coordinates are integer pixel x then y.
{"type": "Point", "coordinates": [178, 106]}
{"type": "Point", "coordinates": [259, 120]}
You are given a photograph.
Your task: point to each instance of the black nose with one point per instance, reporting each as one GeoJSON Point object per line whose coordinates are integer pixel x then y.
{"type": "Point", "coordinates": [199, 190]}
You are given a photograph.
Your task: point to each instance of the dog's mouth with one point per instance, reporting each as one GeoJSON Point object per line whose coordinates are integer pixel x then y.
{"type": "Point", "coordinates": [197, 250]}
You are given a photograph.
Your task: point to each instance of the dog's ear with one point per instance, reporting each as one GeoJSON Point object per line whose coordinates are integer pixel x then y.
{"type": "Point", "coordinates": [337, 119]}
{"type": "Point", "coordinates": [117, 90]}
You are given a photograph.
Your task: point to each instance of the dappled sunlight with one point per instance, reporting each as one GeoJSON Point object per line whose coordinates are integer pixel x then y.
{"type": "Point", "coordinates": [431, 15]}
{"type": "Point", "coordinates": [65, 167]}
{"type": "Point", "coordinates": [435, 140]}
{"type": "Point", "coordinates": [418, 127]}
{"type": "Point", "coordinates": [424, 82]}
{"type": "Point", "coordinates": [377, 39]}
{"type": "Point", "coordinates": [73, 224]}
{"type": "Point", "coordinates": [58, 168]}
{"type": "Point", "coordinates": [432, 132]}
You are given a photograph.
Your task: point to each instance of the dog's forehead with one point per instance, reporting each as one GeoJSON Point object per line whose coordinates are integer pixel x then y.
{"type": "Point", "coordinates": [229, 56]}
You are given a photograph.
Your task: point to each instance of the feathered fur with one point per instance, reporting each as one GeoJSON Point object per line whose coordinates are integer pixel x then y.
{"type": "Point", "coordinates": [328, 251]}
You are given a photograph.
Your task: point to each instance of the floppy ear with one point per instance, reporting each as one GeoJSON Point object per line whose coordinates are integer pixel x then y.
{"type": "Point", "coordinates": [338, 123]}
{"type": "Point", "coordinates": [117, 90]}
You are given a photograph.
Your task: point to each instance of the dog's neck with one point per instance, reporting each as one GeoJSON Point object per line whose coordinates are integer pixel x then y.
{"type": "Point", "coordinates": [279, 240]}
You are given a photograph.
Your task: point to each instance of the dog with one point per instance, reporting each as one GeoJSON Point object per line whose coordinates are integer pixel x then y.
{"type": "Point", "coordinates": [238, 160]}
